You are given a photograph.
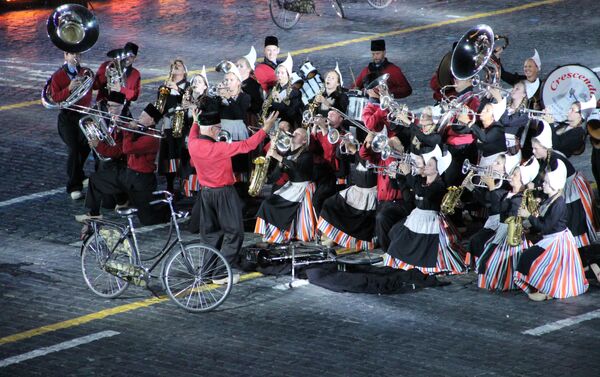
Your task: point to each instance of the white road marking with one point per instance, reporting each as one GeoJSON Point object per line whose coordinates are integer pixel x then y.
{"type": "Point", "coordinates": [37, 195]}
{"type": "Point", "coordinates": [57, 347]}
{"type": "Point", "coordinates": [597, 69]}
{"type": "Point", "coordinates": [453, 16]}
{"type": "Point", "coordinates": [553, 326]}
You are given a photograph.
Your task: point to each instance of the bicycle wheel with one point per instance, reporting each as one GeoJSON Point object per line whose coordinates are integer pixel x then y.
{"type": "Point", "coordinates": [379, 4]}
{"type": "Point", "coordinates": [188, 277]}
{"type": "Point", "coordinates": [338, 8]}
{"type": "Point", "coordinates": [281, 16]}
{"type": "Point", "coordinates": [95, 254]}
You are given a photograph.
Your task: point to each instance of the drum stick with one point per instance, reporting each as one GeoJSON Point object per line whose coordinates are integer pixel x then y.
{"type": "Point", "coordinates": [353, 78]}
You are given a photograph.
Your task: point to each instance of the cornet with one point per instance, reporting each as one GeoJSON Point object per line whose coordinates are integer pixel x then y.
{"type": "Point", "coordinates": [476, 179]}
{"type": "Point", "coordinates": [348, 137]}
{"type": "Point", "coordinates": [395, 109]}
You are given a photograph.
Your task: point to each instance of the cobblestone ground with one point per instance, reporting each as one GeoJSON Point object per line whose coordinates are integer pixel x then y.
{"type": "Point", "coordinates": [456, 330]}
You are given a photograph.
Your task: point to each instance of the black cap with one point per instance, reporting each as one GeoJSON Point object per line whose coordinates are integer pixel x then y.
{"type": "Point", "coordinates": [151, 110]}
{"type": "Point", "coordinates": [271, 41]}
{"type": "Point", "coordinates": [209, 118]}
{"type": "Point", "coordinates": [131, 47]}
{"type": "Point", "coordinates": [116, 97]}
{"type": "Point", "coordinates": [378, 45]}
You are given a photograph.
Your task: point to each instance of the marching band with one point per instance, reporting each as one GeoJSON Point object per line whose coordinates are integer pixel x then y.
{"type": "Point", "coordinates": [353, 168]}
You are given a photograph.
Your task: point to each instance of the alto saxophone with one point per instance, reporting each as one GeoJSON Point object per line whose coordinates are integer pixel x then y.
{"type": "Point", "coordinates": [452, 197]}
{"type": "Point", "coordinates": [515, 223]}
{"type": "Point", "coordinates": [163, 92]}
{"type": "Point", "coordinates": [258, 177]}
{"type": "Point", "coordinates": [265, 108]}
{"type": "Point", "coordinates": [179, 116]}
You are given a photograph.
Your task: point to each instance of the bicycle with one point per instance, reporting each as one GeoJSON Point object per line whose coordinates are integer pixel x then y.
{"type": "Point", "coordinates": [287, 13]}
{"type": "Point", "coordinates": [195, 276]}
{"type": "Point", "coordinates": [379, 4]}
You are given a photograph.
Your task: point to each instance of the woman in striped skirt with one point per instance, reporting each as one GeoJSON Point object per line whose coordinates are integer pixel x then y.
{"type": "Point", "coordinates": [577, 191]}
{"type": "Point", "coordinates": [552, 267]}
{"type": "Point", "coordinates": [348, 218]}
{"type": "Point", "coordinates": [288, 213]}
{"type": "Point", "coordinates": [426, 239]}
{"type": "Point", "coordinates": [497, 263]}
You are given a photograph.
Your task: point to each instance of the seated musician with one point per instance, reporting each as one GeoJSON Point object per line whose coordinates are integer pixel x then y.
{"type": "Point", "coordinates": [490, 138]}
{"type": "Point", "coordinates": [286, 98]}
{"type": "Point", "coordinates": [288, 213]}
{"type": "Point", "coordinates": [498, 259]}
{"type": "Point", "coordinates": [426, 240]}
{"type": "Point", "coordinates": [138, 179]}
{"type": "Point", "coordinates": [552, 267]}
{"type": "Point", "coordinates": [569, 137]}
{"type": "Point", "coordinates": [577, 191]}
{"type": "Point", "coordinates": [333, 95]}
{"type": "Point", "coordinates": [418, 136]}
{"type": "Point", "coordinates": [348, 218]}
{"type": "Point", "coordinates": [530, 77]}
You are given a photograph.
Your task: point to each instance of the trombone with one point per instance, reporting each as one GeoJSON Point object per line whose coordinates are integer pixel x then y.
{"type": "Point", "coordinates": [380, 141]}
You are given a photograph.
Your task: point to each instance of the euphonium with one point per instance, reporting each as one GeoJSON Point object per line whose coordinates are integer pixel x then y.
{"type": "Point", "coordinates": [514, 235]}
{"type": "Point", "coordinates": [258, 177]}
{"type": "Point", "coordinates": [93, 127]}
{"type": "Point", "coordinates": [163, 92]}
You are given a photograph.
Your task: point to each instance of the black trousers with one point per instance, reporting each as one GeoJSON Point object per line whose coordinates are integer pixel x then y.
{"type": "Point", "coordinates": [388, 214]}
{"type": "Point", "coordinates": [77, 145]}
{"type": "Point", "coordinates": [139, 188]}
{"type": "Point", "coordinates": [221, 224]}
{"type": "Point", "coordinates": [596, 167]}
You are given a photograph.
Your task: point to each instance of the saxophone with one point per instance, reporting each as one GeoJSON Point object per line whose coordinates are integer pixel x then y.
{"type": "Point", "coordinates": [163, 92]}
{"type": "Point", "coordinates": [179, 116]}
{"type": "Point", "coordinates": [258, 177]}
{"type": "Point", "coordinates": [309, 113]}
{"type": "Point", "coordinates": [452, 197]}
{"type": "Point", "coordinates": [265, 108]}
{"type": "Point", "coordinates": [515, 223]}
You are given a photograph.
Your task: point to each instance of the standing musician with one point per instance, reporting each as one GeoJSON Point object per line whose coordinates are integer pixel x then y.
{"type": "Point", "coordinates": [288, 213]}
{"type": "Point", "coordinates": [286, 98]}
{"type": "Point", "coordinates": [138, 180]}
{"type": "Point", "coordinates": [333, 93]}
{"type": "Point", "coordinates": [552, 267]}
{"type": "Point", "coordinates": [62, 83]}
{"type": "Point", "coordinates": [531, 70]}
{"type": "Point", "coordinates": [265, 71]}
{"type": "Point", "coordinates": [250, 85]}
{"type": "Point", "coordinates": [398, 85]}
{"type": "Point", "coordinates": [131, 77]}
{"type": "Point", "coordinates": [418, 136]}
{"type": "Point", "coordinates": [220, 206]}
{"type": "Point", "coordinates": [169, 157]}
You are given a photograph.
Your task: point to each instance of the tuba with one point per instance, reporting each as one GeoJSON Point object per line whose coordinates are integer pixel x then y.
{"type": "Point", "coordinates": [74, 29]}
{"type": "Point", "coordinates": [514, 235]}
{"type": "Point", "coordinates": [93, 127]}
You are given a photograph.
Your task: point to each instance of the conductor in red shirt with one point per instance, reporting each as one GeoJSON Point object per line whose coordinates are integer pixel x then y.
{"type": "Point", "coordinates": [221, 223]}
{"type": "Point", "coordinates": [398, 84]}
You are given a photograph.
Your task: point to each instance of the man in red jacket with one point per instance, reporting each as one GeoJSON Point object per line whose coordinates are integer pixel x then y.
{"type": "Point", "coordinates": [265, 71]}
{"type": "Point", "coordinates": [62, 83]}
{"type": "Point", "coordinates": [397, 84]}
{"type": "Point", "coordinates": [221, 223]}
{"type": "Point", "coordinates": [131, 76]}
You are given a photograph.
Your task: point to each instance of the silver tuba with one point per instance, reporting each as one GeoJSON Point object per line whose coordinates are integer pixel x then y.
{"type": "Point", "coordinates": [72, 28]}
{"type": "Point", "coordinates": [93, 127]}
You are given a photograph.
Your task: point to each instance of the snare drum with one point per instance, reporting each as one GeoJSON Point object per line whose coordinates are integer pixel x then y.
{"type": "Point", "coordinates": [356, 105]}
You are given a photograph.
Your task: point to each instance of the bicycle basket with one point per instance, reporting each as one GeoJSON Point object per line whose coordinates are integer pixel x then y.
{"type": "Point", "coordinates": [300, 6]}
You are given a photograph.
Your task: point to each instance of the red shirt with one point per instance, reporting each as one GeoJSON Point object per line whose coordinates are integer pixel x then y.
{"type": "Point", "coordinates": [141, 153]}
{"type": "Point", "coordinates": [212, 159]}
{"type": "Point", "coordinates": [132, 87]}
{"type": "Point", "coordinates": [385, 191]}
{"type": "Point", "coordinates": [455, 138]}
{"type": "Point", "coordinates": [329, 150]}
{"type": "Point", "coordinates": [374, 117]}
{"type": "Point", "coordinates": [265, 75]}
{"type": "Point", "coordinates": [59, 88]}
{"type": "Point", "coordinates": [398, 84]}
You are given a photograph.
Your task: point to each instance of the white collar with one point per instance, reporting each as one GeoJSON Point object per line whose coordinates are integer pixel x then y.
{"type": "Point", "coordinates": [532, 87]}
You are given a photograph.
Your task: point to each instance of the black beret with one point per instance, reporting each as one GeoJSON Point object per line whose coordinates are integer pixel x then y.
{"type": "Point", "coordinates": [131, 47]}
{"type": "Point", "coordinates": [209, 118]}
{"type": "Point", "coordinates": [378, 45]}
{"type": "Point", "coordinates": [116, 97]}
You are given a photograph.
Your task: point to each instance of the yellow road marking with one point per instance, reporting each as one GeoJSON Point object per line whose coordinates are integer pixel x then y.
{"type": "Point", "coordinates": [351, 41]}
{"type": "Point", "coordinates": [98, 315]}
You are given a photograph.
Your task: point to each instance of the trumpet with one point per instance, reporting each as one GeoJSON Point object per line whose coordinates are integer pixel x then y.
{"type": "Point", "coordinates": [391, 169]}
{"type": "Point", "coordinates": [395, 109]}
{"type": "Point", "coordinates": [380, 141]}
{"type": "Point", "coordinates": [450, 116]}
{"type": "Point", "coordinates": [348, 137]}
{"type": "Point", "coordinates": [479, 172]}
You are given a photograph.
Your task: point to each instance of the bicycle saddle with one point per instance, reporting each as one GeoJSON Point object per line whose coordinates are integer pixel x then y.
{"type": "Point", "coordinates": [126, 211]}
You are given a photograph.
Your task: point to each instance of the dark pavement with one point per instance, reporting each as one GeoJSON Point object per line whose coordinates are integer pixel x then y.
{"type": "Point", "coordinates": [264, 329]}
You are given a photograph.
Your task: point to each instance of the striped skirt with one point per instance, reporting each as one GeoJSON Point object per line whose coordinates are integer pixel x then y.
{"type": "Point", "coordinates": [302, 227]}
{"type": "Point", "coordinates": [579, 197]}
{"type": "Point", "coordinates": [450, 256]}
{"type": "Point", "coordinates": [342, 238]}
{"type": "Point", "coordinates": [558, 271]}
{"type": "Point", "coordinates": [191, 185]}
{"type": "Point", "coordinates": [498, 262]}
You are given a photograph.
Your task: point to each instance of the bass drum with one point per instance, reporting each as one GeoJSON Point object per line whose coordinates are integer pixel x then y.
{"type": "Point", "coordinates": [567, 84]}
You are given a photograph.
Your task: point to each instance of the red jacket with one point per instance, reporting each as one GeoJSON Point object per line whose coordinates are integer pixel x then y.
{"type": "Point", "coordinates": [132, 87]}
{"type": "Point", "coordinates": [265, 75]}
{"type": "Point", "coordinates": [398, 85]}
{"type": "Point", "coordinates": [437, 89]}
{"type": "Point", "coordinates": [114, 152]}
{"type": "Point", "coordinates": [59, 88]}
{"type": "Point", "coordinates": [141, 152]}
{"type": "Point", "coordinates": [453, 137]}
{"type": "Point", "coordinates": [385, 191]}
{"type": "Point", "coordinates": [212, 159]}
{"type": "Point", "coordinates": [329, 150]}
{"type": "Point", "coordinates": [375, 118]}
